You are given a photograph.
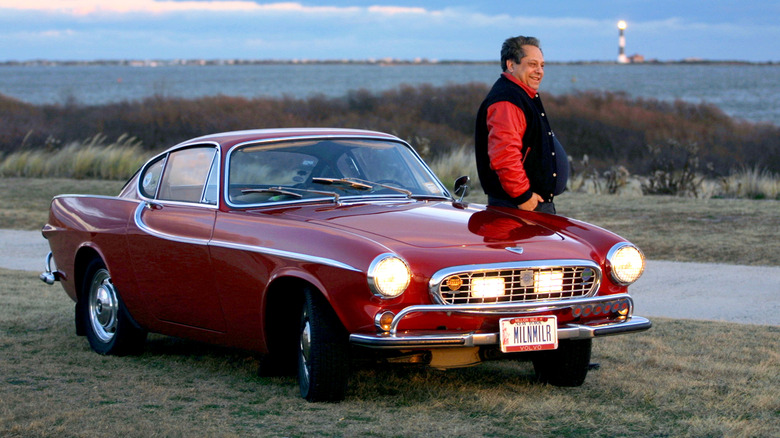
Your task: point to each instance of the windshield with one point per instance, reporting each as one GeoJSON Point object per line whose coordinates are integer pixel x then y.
{"type": "Point", "coordinates": [331, 169]}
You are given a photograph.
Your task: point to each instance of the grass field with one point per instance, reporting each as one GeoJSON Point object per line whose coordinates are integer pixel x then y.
{"type": "Point", "coordinates": [682, 378]}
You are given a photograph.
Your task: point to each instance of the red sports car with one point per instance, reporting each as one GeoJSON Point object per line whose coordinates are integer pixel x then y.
{"type": "Point", "coordinates": [316, 247]}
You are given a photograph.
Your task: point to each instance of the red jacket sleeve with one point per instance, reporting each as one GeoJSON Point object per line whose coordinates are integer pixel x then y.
{"type": "Point", "coordinates": [506, 125]}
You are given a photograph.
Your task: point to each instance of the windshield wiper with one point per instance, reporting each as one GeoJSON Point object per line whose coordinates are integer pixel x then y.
{"type": "Point", "coordinates": [293, 192]}
{"type": "Point", "coordinates": [342, 181]}
{"type": "Point", "coordinates": [360, 184]}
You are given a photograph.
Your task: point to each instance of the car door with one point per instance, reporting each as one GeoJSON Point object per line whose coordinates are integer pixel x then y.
{"type": "Point", "coordinates": [169, 241]}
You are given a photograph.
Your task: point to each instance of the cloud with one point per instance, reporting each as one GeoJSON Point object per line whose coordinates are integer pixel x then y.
{"type": "Point", "coordinates": [434, 29]}
{"type": "Point", "coordinates": [92, 7]}
{"type": "Point", "coordinates": [89, 7]}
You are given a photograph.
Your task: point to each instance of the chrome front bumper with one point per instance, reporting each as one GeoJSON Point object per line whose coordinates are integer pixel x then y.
{"type": "Point", "coordinates": [392, 339]}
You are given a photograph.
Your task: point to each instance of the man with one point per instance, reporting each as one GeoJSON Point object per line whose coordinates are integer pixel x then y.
{"type": "Point", "coordinates": [515, 146]}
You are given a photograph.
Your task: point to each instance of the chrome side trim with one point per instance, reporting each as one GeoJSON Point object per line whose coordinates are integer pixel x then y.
{"type": "Point", "coordinates": [569, 331]}
{"type": "Point", "coordinates": [151, 231]}
{"type": "Point", "coordinates": [231, 245]}
{"type": "Point", "coordinates": [285, 254]}
{"type": "Point", "coordinates": [78, 195]}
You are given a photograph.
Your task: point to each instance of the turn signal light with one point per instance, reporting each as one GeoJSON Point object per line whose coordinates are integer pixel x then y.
{"type": "Point", "coordinates": [384, 321]}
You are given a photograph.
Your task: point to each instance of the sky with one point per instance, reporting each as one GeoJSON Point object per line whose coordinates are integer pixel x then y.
{"type": "Point", "coordinates": [468, 30]}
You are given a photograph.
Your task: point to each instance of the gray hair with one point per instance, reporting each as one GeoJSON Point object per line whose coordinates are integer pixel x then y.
{"type": "Point", "coordinates": [512, 49]}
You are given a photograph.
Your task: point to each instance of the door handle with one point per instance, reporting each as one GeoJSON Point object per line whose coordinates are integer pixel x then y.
{"type": "Point", "coordinates": [151, 205]}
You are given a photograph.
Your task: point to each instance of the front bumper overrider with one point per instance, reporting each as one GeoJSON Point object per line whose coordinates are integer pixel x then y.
{"type": "Point", "coordinates": [416, 339]}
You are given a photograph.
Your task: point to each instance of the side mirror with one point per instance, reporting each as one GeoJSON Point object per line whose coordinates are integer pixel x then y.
{"type": "Point", "coordinates": [462, 187]}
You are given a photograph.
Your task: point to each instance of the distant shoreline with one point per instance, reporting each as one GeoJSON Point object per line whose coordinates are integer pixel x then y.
{"type": "Point", "coordinates": [379, 62]}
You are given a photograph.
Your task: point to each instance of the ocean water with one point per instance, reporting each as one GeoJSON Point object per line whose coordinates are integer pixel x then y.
{"type": "Point", "coordinates": [749, 92]}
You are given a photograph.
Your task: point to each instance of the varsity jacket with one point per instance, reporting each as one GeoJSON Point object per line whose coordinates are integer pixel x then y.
{"type": "Point", "coordinates": [537, 152]}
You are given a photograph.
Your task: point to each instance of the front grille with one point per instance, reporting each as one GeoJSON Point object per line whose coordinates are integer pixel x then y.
{"type": "Point", "coordinates": [520, 284]}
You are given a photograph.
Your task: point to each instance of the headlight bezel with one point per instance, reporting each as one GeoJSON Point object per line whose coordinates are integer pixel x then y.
{"type": "Point", "coordinates": [617, 265]}
{"type": "Point", "coordinates": [380, 271]}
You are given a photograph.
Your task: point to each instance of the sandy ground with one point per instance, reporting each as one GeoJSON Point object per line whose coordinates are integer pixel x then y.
{"type": "Point", "coordinates": [744, 294]}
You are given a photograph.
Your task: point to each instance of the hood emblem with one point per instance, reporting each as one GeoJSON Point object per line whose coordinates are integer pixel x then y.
{"type": "Point", "coordinates": [515, 249]}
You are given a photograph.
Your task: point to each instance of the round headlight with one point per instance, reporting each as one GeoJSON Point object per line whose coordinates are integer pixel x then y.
{"type": "Point", "coordinates": [627, 263]}
{"type": "Point", "coordinates": [388, 276]}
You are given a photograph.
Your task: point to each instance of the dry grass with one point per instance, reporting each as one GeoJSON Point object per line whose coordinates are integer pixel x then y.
{"type": "Point", "coordinates": [736, 231]}
{"type": "Point", "coordinates": [682, 378]}
{"type": "Point", "coordinates": [25, 201]}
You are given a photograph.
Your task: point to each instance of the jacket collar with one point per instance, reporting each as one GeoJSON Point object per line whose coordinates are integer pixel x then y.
{"type": "Point", "coordinates": [530, 91]}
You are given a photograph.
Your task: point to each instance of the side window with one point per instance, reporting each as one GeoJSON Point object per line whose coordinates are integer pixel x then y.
{"type": "Point", "coordinates": [211, 195]}
{"type": "Point", "coordinates": [186, 171]}
{"type": "Point", "coordinates": [151, 178]}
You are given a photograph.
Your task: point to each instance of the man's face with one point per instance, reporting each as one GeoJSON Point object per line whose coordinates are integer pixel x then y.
{"type": "Point", "coordinates": [530, 69]}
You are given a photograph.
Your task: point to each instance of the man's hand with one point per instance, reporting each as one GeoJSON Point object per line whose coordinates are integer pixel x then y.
{"type": "Point", "coordinates": [530, 205]}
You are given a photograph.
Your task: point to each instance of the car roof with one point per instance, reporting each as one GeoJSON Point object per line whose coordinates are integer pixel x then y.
{"type": "Point", "coordinates": [228, 139]}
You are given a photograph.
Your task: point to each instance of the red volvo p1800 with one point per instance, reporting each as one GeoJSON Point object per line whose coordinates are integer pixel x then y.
{"type": "Point", "coordinates": [315, 247]}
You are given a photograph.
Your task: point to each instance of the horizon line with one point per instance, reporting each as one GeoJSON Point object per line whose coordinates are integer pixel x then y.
{"type": "Point", "coordinates": [157, 62]}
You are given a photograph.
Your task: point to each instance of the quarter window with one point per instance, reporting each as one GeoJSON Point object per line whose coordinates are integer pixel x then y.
{"type": "Point", "coordinates": [151, 178]}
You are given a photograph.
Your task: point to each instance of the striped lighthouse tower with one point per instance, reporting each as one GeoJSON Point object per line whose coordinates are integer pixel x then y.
{"type": "Point", "coordinates": [622, 58]}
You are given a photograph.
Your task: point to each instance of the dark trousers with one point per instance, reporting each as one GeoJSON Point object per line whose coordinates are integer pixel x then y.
{"type": "Point", "coordinates": [543, 207]}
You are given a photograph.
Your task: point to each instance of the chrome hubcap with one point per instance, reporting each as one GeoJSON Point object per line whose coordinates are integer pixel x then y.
{"type": "Point", "coordinates": [103, 306]}
{"type": "Point", "coordinates": [305, 349]}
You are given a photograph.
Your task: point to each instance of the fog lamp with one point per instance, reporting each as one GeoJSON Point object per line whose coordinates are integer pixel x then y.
{"type": "Point", "coordinates": [487, 287]}
{"type": "Point", "coordinates": [548, 282]}
{"type": "Point", "coordinates": [388, 276]}
{"type": "Point", "coordinates": [627, 263]}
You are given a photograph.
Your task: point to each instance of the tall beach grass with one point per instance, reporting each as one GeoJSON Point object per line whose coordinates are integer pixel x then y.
{"type": "Point", "coordinates": [98, 158]}
{"type": "Point", "coordinates": [94, 158]}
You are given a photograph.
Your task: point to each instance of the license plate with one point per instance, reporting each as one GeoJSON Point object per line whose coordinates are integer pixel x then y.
{"type": "Point", "coordinates": [531, 333]}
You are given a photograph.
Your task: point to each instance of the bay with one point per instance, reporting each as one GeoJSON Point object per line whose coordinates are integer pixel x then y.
{"type": "Point", "coordinates": [749, 92]}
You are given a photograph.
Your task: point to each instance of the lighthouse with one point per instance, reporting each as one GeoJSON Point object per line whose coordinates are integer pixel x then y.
{"type": "Point", "coordinates": [622, 58]}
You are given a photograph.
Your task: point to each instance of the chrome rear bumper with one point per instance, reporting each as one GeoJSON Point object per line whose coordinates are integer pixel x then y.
{"type": "Point", "coordinates": [49, 276]}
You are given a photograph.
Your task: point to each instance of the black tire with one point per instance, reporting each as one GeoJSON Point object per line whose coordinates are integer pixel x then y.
{"type": "Point", "coordinates": [323, 352]}
{"type": "Point", "coordinates": [566, 366]}
{"type": "Point", "coordinates": [103, 316]}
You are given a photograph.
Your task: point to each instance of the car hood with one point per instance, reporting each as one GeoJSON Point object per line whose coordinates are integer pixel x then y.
{"type": "Point", "coordinates": [434, 224]}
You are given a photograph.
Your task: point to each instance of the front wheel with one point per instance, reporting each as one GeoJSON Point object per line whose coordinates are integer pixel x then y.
{"type": "Point", "coordinates": [323, 352]}
{"type": "Point", "coordinates": [565, 366]}
{"type": "Point", "coordinates": [102, 313]}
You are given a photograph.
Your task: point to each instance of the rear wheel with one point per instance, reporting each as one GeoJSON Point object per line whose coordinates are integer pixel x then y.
{"type": "Point", "coordinates": [103, 315]}
{"type": "Point", "coordinates": [323, 352]}
{"type": "Point", "coordinates": [565, 366]}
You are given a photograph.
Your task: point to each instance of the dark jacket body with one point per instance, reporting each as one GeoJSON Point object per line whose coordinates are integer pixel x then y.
{"type": "Point", "coordinates": [538, 149]}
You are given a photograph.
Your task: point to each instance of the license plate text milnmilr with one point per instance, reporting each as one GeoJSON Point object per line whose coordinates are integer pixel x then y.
{"type": "Point", "coordinates": [533, 333]}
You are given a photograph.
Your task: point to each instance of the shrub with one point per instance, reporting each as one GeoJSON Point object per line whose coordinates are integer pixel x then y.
{"type": "Point", "coordinates": [673, 170]}
{"type": "Point", "coordinates": [610, 128]}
